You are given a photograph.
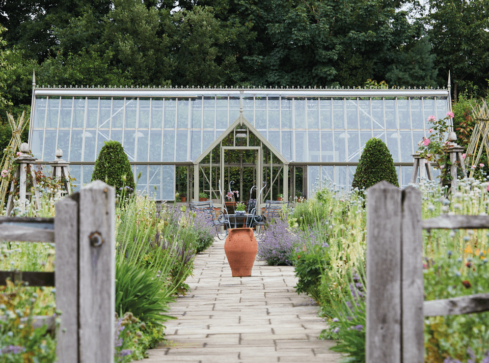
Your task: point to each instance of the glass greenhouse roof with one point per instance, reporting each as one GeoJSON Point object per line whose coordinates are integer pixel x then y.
{"type": "Point", "coordinates": [175, 126]}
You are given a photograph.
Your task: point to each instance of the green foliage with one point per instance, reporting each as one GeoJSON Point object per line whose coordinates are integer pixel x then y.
{"type": "Point", "coordinates": [307, 214]}
{"type": "Point", "coordinates": [375, 165]}
{"type": "Point", "coordinates": [203, 195]}
{"type": "Point", "coordinates": [309, 266]}
{"type": "Point", "coordinates": [204, 242]}
{"type": "Point", "coordinates": [139, 292]}
{"type": "Point", "coordinates": [112, 167]}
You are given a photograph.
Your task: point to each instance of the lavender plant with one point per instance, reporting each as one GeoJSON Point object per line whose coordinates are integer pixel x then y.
{"type": "Point", "coordinates": [277, 243]}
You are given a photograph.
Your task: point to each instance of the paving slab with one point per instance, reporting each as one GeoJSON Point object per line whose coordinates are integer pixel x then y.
{"type": "Point", "coordinates": [257, 319]}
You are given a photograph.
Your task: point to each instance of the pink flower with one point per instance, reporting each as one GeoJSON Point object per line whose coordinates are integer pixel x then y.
{"type": "Point", "coordinates": [450, 114]}
{"type": "Point", "coordinates": [473, 166]}
{"type": "Point", "coordinates": [426, 142]}
{"type": "Point", "coordinates": [463, 156]}
{"type": "Point", "coordinates": [481, 165]}
{"type": "Point", "coordinates": [19, 153]}
{"type": "Point", "coordinates": [442, 166]}
{"type": "Point", "coordinates": [431, 130]}
{"type": "Point", "coordinates": [4, 173]}
{"type": "Point", "coordinates": [431, 118]}
{"type": "Point", "coordinates": [488, 188]}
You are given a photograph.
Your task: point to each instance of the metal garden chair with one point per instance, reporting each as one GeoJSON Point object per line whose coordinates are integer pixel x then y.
{"type": "Point", "coordinates": [207, 208]}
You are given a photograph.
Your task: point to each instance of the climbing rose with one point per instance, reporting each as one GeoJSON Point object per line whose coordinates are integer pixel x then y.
{"type": "Point", "coordinates": [426, 142]}
{"type": "Point", "coordinates": [450, 114]}
{"type": "Point", "coordinates": [481, 165]}
{"type": "Point", "coordinates": [4, 173]}
{"type": "Point", "coordinates": [431, 130]}
{"type": "Point", "coordinates": [473, 166]}
{"type": "Point", "coordinates": [431, 118]}
{"type": "Point", "coordinates": [463, 156]}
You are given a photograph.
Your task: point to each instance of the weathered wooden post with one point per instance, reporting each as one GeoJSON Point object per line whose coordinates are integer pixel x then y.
{"type": "Point", "coordinates": [455, 154]}
{"type": "Point", "coordinates": [394, 279]}
{"type": "Point", "coordinates": [26, 164]}
{"type": "Point", "coordinates": [422, 165]}
{"type": "Point", "coordinates": [59, 170]}
{"type": "Point", "coordinates": [85, 255]}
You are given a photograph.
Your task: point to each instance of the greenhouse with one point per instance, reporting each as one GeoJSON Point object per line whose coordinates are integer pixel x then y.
{"type": "Point", "coordinates": [185, 142]}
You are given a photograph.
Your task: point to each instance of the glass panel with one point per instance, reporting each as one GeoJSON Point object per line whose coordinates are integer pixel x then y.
{"type": "Point", "coordinates": [169, 145]}
{"type": "Point", "coordinates": [327, 176]}
{"type": "Point", "coordinates": [103, 136]}
{"type": "Point", "coordinates": [326, 113]}
{"type": "Point", "coordinates": [222, 113]}
{"type": "Point", "coordinates": [429, 108]}
{"type": "Point", "coordinates": [353, 146]}
{"type": "Point", "coordinates": [208, 139]}
{"type": "Point", "coordinates": [154, 183]}
{"type": "Point", "coordinates": [65, 114]}
{"type": "Point", "coordinates": [260, 112]}
{"type": "Point", "coordinates": [76, 145]}
{"type": "Point", "coordinates": [393, 145]}
{"type": "Point", "coordinates": [403, 114]}
{"type": "Point", "coordinates": [209, 112]}
{"type": "Point", "coordinates": [406, 172]}
{"type": "Point", "coordinates": [142, 183]}
{"type": "Point", "coordinates": [313, 177]}
{"type": "Point", "coordinates": [364, 114]}
{"type": "Point", "coordinates": [390, 113]}
{"type": "Point", "coordinates": [351, 114]}
{"type": "Point", "coordinates": [49, 145]}
{"type": "Point", "coordinates": [64, 143]}
{"type": "Point", "coordinates": [300, 113]}
{"type": "Point", "coordinates": [338, 113]}
{"type": "Point", "coordinates": [117, 113]}
{"type": "Point", "coordinates": [92, 112]}
{"type": "Point", "coordinates": [406, 146]}
{"type": "Point", "coordinates": [378, 114]}
{"type": "Point", "coordinates": [129, 144]}
{"type": "Point", "coordinates": [233, 109]}
{"type": "Point", "coordinates": [156, 113]}
{"type": "Point", "coordinates": [170, 113]}
{"type": "Point", "coordinates": [274, 139]}
{"type": "Point", "coordinates": [144, 111]}
{"type": "Point", "coordinates": [40, 117]}
{"type": "Point", "coordinates": [417, 138]}
{"type": "Point", "coordinates": [398, 171]}
{"type": "Point", "coordinates": [182, 140]}
{"type": "Point", "coordinates": [87, 174]}
{"type": "Point", "coordinates": [300, 146]}
{"type": "Point", "coordinates": [104, 116]}
{"type": "Point", "coordinates": [89, 148]}
{"type": "Point", "coordinates": [379, 135]}
{"type": "Point", "coordinates": [196, 142]}
{"type": "Point", "coordinates": [313, 142]}
{"type": "Point", "coordinates": [131, 113]}
{"type": "Point", "coordinates": [142, 145]}
{"type": "Point", "coordinates": [248, 110]}
{"type": "Point", "coordinates": [340, 146]}
{"type": "Point", "coordinates": [168, 191]}
{"type": "Point", "coordinates": [155, 145]}
{"type": "Point", "coordinates": [286, 113]}
{"type": "Point", "coordinates": [417, 113]}
{"type": "Point", "coordinates": [351, 175]}
{"type": "Point", "coordinates": [75, 172]}
{"type": "Point", "coordinates": [53, 112]}
{"type": "Point", "coordinates": [196, 105]}
{"type": "Point", "coordinates": [441, 108]}
{"type": "Point", "coordinates": [327, 150]}
{"type": "Point", "coordinates": [273, 113]}
{"type": "Point", "coordinates": [183, 106]}
{"type": "Point", "coordinates": [313, 113]}
{"type": "Point", "coordinates": [116, 135]}
{"type": "Point", "coordinates": [79, 112]}
{"type": "Point", "coordinates": [287, 144]}
{"type": "Point", "coordinates": [340, 174]}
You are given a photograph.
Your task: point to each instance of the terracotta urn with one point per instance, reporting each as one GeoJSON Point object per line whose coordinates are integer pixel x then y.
{"type": "Point", "coordinates": [241, 249]}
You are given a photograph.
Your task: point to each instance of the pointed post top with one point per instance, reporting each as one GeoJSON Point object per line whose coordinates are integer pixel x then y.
{"type": "Point", "coordinates": [33, 78]}
{"type": "Point", "coordinates": [449, 81]}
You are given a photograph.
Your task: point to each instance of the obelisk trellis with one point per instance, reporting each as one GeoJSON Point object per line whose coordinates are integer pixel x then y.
{"type": "Point", "coordinates": [60, 172]}
{"type": "Point", "coordinates": [422, 165]}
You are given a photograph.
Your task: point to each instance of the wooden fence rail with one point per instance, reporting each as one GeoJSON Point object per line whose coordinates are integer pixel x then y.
{"type": "Point", "coordinates": [395, 293]}
{"type": "Point", "coordinates": [84, 235]}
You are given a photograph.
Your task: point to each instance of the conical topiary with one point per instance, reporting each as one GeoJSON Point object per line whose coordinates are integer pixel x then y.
{"type": "Point", "coordinates": [375, 165]}
{"type": "Point", "coordinates": [112, 166]}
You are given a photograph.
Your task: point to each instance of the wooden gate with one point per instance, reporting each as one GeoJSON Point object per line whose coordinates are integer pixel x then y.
{"type": "Point", "coordinates": [83, 232]}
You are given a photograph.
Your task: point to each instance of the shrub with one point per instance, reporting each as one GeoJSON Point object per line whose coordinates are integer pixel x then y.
{"type": "Point", "coordinates": [277, 243]}
{"type": "Point", "coordinates": [112, 166]}
{"type": "Point", "coordinates": [375, 165]}
{"type": "Point", "coordinates": [308, 269]}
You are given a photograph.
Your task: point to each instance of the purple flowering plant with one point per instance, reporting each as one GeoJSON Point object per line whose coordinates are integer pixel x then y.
{"type": "Point", "coordinates": [277, 243]}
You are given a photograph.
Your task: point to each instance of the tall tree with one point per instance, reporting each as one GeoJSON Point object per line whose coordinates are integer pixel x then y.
{"type": "Point", "coordinates": [458, 31]}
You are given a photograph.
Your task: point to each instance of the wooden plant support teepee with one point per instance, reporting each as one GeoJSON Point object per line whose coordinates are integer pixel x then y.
{"type": "Point", "coordinates": [9, 153]}
{"type": "Point", "coordinates": [479, 139]}
{"type": "Point", "coordinates": [25, 164]}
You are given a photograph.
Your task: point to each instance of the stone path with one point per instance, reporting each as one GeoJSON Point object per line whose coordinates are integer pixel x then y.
{"type": "Point", "coordinates": [251, 319]}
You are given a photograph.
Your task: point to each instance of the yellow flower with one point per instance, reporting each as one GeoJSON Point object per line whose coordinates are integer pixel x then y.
{"type": "Point", "coordinates": [468, 249]}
